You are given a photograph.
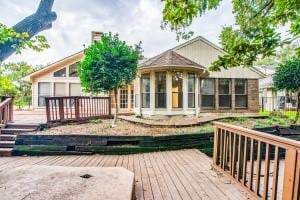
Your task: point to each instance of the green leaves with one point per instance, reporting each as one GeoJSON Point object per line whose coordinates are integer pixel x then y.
{"type": "Point", "coordinates": [109, 64]}
{"type": "Point", "coordinates": [287, 75]}
{"type": "Point", "coordinates": [37, 43]}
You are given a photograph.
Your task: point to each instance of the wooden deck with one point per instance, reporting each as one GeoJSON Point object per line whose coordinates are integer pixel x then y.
{"type": "Point", "coordinates": [184, 174]}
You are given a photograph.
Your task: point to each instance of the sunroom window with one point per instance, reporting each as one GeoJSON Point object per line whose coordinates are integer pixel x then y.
{"type": "Point", "coordinates": [225, 93]}
{"type": "Point", "coordinates": [241, 99]}
{"type": "Point", "coordinates": [191, 90]}
{"type": "Point", "coordinates": [160, 90]}
{"type": "Point", "coordinates": [60, 73]}
{"type": "Point", "coordinates": [43, 91]}
{"type": "Point", "coordinates": [73, 70]}
{"type": "Point", "coordinates": [145, 90]}
{"type": "Point", "coordinates": [177, 89]}
{"type": "Point", "coordinates": [207, 92]}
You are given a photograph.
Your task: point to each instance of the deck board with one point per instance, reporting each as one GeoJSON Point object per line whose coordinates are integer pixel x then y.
{"type": "Point", "coordinates": [184, 174]}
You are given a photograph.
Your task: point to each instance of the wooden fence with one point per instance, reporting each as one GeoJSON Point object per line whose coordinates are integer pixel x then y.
{"type": "Point", "coordinates": [6, 110]}
{"type": "Point", "coordinates": [76, 108]}
{"type": "Point", "coordinates": [267, 166]}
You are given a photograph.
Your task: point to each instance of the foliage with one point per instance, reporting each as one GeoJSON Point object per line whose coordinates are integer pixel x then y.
{"type": "Point", "coordinates": [255, 35]}
{"type": "Point", "coordinates": [38, 43]}
{"type": "Point", "coordinates": [287, 75]}
{"type": "Point", "coordinates": [11, 83]}
{"type": "Point", "coordinates": [109, 64]}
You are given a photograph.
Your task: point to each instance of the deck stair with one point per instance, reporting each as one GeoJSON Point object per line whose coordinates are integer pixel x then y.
{"type": "Point", "coordinates": [9, 133]}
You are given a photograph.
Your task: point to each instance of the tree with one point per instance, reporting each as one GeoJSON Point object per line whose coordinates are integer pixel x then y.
{"type": "Point", "coordinates": [109, 64]}
{"type": "Point", "coordinates": [23, 34]}
{"type": "Point", "coordinates": [255, 35]}
{"type": "Point", "coordinates": [287, 77]}
{"type": "Point", "coordinates": [11, 83]}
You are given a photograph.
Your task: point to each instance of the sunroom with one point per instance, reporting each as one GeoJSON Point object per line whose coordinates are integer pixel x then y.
{"type": "Point", "coordinates": [168, 84]}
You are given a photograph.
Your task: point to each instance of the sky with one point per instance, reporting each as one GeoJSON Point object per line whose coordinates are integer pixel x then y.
{"type": "Point", "coordinates": [133, 20]}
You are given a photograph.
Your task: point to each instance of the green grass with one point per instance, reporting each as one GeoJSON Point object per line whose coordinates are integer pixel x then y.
{"type": "Point", "coordinates": [289, 114]}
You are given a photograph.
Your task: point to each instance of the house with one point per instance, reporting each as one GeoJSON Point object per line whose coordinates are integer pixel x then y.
{"type": "Point", "coordinates": [270, 98]}
{"type": "Point", "coordinates": [175, 82]}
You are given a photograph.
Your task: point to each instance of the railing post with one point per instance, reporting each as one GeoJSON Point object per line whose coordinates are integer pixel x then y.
{"type": "Point", "coordinates": [215, 153]}
{"type": "Point", "coordinates": [76, 104]}
{"type": "Point", "coordinates": [47, 104]}
{"type": "Point", "coordinates": [61, 108]}
{"type": "Point", "coordinates": [289, 174]}
{"type": "Point", "coordinates": [297, 178]}
{"type": "Point", "coordinates": [109, 106]}
{"type": "Point", "coordinates": [11, 111]}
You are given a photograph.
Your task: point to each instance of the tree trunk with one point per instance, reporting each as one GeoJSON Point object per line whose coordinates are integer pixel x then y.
{"type": "Point", "coordinates": [116, 108]}
{"type": "Point", "coordinates": [298, 108]}
{"type": "Point", "coordinates": [41, 20]}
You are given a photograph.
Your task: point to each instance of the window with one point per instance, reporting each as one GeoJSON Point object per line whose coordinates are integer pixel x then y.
{"type": "Point", "coordinates": [132, 95]}
{"type": "Point", "coordinates": [191, 90]}
{"type": "Point", "coordinates": [43, 91]}
{"type": "Point", "coordinates": [60, 73]}
{"type": "Point", "coordinates": [73, 70]}
{"type": "Point", "coordinates": [124, 97]}
{"type": "Point", "coordinates": [241, 93]}
{"type": "Point", "coordinates": [160, 90]}
{"type": "Point", "coordinates": [145, 90]}
{"type": "Point", "coordinates": [225, 93]}
{"type": "Point", "coordinates": [75, 89]}
{"type": "Point", "coordinates": [207, 91]}
{"type": "Point", "coordinates": [59, 89]}
{"type": "Point", "coordinates": [177, 90]}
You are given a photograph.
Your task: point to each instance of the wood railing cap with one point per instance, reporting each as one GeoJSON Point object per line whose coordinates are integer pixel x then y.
{"type": "Point", "coordinates": [264, 137]}
{"type": "Point", "coordinates": [5, 102]}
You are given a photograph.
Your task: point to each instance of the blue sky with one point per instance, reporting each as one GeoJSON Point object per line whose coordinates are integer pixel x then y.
{"type": "Point", "coordinates": [134, 20]}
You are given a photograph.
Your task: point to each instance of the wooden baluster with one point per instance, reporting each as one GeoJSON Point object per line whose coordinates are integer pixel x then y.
{"type": "Point", "coordinates": [258, 166]}
{"type": "Point", "coordinates": [47, 109]}
{"type": "Point", "coordinates": [245, 161]}
{"type": "Point", "coordinates": [239, 159]}
{"type": "Point", "coordinates": [289, 174]}
{"type": "Point", "coordinates": [221, 148]}
{"type": "Point", "coordinates": [266, 177]}
{"type": "Point", "coordinates": [230, 152]}
{"type": "Point", "coordinates": [11, 111]}
{"type": "Point", "coordinates": [224, 149]}
{"type": "Point", "coordinates": [233, 156]}
{"type": "Point", "coordinates": [61, 108]}
{"type": "Point", "coordinates": [109, 106]}
{"type": "Point", "coordinates": [275, 173]}
{"type": "Point", "coordinates": [76, 107]}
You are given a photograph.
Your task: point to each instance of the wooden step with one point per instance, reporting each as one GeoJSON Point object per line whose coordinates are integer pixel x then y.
{"type": "Point", "coordinates": [22, 126]}
{"type": "Point", "coordinates": [7, 144]}
{"type": "Point", "coordinates": [5, 152]}
{"type": "Point", "coordinates": [7, 137]}
{"type": "Point", "coordinates": [15, 131]}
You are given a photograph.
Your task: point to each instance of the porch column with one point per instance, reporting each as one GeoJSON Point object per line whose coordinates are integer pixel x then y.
{"type": "Point", "coordinates": [197, 93]}
{"type": "Point", "coordinates": [185, 92]}
{"type": "Point", "coordinates": [138, 96]}
{"type": "Point", "coordinates": [169, 92]}
{"type": "Point", "coordinates": [152, 92]}
{"type": "Point", "coordinates": [217, 93]}
{"type": "Point", "coordinates": [233, 94]}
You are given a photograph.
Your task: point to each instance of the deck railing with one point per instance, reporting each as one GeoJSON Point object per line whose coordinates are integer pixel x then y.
{"type": "Point", "coordinates": [267, 166]}
{"type": "Point", "coordinates": [76, 108]}
{"type": "Point", "coordinates": [6, 110]}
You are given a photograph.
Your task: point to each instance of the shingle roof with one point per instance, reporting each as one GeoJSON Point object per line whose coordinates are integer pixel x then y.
{"type": "Point", "coordinates": [170, 58]}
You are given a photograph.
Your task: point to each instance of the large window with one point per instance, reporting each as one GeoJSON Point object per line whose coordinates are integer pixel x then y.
{"type": "Point", "coordinates": [191, 90]}
{"type": "Point", "coordinates": [124, 97]}
{"type": "Point", "coordinates": [73, 70]}
{"type": "Point", "coordinates": [43, 91]}
{"type": "Point", "coordinates": [207, 91]}
{"type": "Point", "coordinates": [160, 90]}
{"type": "Point", "coordinates": [59, 89]}
{"type": "Point", "coordinates": [145, 90]}
{"type": "Point", "coordinates": [225, 93]}
{"type": "Point", "coordinates": [177, 89]}
{"type": "Point", "coordinates": [75, 89]}
{"type": "Point", "coordinates": [60, 73]}
{"type": "Point", "coordinates": [241, 93]}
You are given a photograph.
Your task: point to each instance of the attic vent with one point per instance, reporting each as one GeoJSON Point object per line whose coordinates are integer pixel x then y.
{"type": "Point", "coordinates": [96, 35]}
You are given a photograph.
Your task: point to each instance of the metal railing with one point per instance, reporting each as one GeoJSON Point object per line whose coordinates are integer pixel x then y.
{"type": "Point", "coordinates": [76, 108]}
{"type": "Point", "coordinates": [267, 166]}
{"type": "Point", "coordinates": [284, 104]}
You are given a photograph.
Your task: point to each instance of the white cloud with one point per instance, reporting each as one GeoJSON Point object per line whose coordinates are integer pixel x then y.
{"type": "Point", "coordinates": [134, 20]}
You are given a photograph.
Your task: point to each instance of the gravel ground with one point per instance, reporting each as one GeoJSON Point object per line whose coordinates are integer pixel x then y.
{"type": "Point", "coordinates": [103, 127]}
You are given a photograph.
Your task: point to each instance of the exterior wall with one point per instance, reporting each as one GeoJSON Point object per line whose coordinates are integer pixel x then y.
{"type": "Point", "coordinates": [253, 95]}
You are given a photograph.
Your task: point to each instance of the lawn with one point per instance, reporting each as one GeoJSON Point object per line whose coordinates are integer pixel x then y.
{"type": "Point", "coordinates": [103, 127]}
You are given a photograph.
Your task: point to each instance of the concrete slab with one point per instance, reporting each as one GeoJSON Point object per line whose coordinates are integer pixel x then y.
{"type": "Point", "coordinates": [68, 183]}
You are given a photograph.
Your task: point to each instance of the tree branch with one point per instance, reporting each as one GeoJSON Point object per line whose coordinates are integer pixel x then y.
{"type": "Point", "coordinates": [41, 20]}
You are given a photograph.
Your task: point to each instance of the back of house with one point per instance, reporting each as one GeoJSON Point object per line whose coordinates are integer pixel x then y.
{"type": "Point", "coordinates": [175, 82]}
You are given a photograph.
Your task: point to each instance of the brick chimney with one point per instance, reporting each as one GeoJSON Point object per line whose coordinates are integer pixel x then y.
{"type": "Point", "coordinates": [96, 35]}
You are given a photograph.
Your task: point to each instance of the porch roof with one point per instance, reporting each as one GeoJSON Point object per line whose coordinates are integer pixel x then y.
{"type": "Point", "coordinates": [170, 58]}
